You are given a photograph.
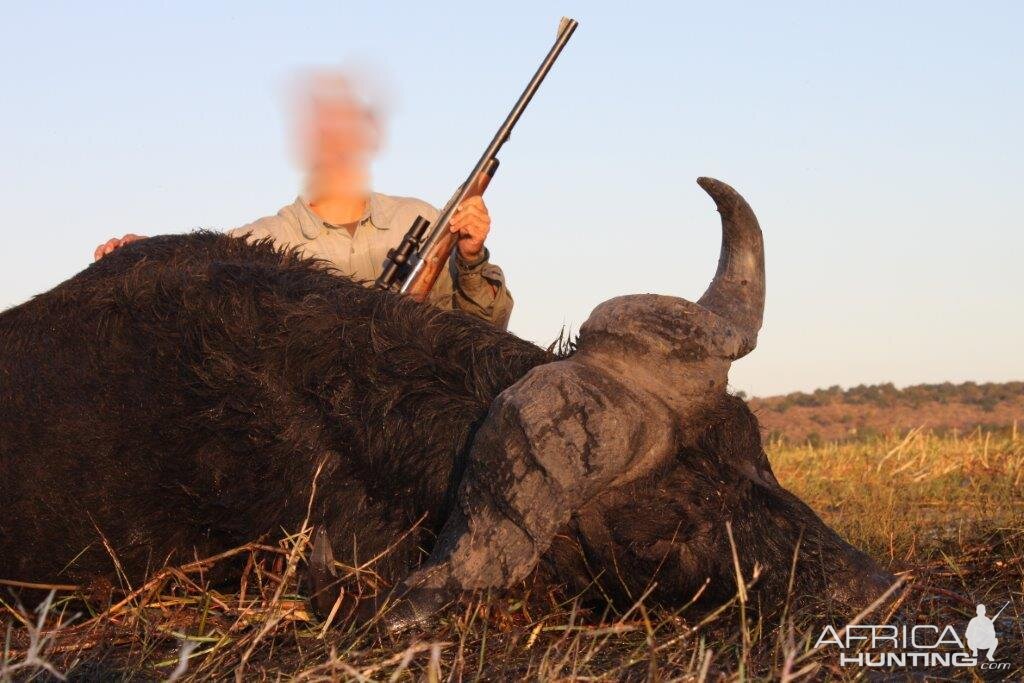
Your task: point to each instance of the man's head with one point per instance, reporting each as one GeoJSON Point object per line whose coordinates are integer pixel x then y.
{"type": "Point", "coordinates": [337, 132]}
{"type": "Point", "coordinates": [981, 610]}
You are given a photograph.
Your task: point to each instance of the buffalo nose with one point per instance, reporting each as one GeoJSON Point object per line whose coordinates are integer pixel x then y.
{"type": "Point", "coordinates": [859, 581]}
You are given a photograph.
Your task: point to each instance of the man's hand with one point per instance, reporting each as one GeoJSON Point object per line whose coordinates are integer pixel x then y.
{"type": "Point", "coordinates": [472, 222]}
{"type": "Point", "coordinates": [113, 243]}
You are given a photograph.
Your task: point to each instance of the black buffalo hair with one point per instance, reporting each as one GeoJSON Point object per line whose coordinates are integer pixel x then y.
{"type": "Point", "coordinates": [176, 399]}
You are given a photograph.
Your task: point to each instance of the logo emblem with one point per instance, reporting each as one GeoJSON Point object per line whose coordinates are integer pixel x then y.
{"type": "Point", "coordinates": [920, 645]}
{"type": "Point", "coordinates": [981, 633]}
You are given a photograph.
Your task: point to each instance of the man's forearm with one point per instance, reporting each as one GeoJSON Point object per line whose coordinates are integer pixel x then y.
{"type": "Point", "coordinates": [480, 290]}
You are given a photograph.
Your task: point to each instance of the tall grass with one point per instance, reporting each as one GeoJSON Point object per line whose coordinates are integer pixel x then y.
{"type": "Point", "coordinates": [945, 513]}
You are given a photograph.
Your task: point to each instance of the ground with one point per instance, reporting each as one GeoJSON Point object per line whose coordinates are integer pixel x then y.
{"type": "Point", "coordinates": [945, 513]}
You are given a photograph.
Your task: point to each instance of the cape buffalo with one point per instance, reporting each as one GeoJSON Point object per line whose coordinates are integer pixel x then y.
{"type": "Point", "coordinates": [176, 398]}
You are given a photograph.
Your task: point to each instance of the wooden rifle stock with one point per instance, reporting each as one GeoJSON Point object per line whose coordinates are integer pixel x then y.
{"type": "Point", "coordinates": [436, 258]}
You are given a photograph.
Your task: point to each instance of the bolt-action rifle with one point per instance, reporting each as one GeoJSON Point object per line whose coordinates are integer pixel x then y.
{"type": "Point", "coordinates": [414, 265]}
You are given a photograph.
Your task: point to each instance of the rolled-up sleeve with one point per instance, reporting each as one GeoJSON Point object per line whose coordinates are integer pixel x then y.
{"type": "Point", "coordinates": [480, 289]}
{"type": "Point", "coordinates": [477, 288]}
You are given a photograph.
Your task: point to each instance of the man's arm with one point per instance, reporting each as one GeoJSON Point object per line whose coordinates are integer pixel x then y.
{"type": "Point", "coordinates": [473, 284]}
{"type": "Point", "coordinates": [255, 229]}
{"type": "Point", "coordinates": [480, 289]}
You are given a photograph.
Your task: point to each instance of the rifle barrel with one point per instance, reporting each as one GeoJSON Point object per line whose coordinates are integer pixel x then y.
{"type": "Point", "coordinates": [440, 226]}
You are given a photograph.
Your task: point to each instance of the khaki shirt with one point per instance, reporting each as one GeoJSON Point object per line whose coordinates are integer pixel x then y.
{"type": "Point", "coordinates": [477, 288]}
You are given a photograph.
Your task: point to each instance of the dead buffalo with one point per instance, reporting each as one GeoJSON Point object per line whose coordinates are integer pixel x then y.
{"type": "Point", "coordinates": [176, 398]}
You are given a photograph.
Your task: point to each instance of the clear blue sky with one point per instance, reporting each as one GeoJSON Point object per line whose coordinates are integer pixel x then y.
{"type": "Point", "coordinates": [880, 144]}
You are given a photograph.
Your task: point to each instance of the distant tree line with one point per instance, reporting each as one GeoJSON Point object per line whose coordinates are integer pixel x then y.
{"type": "Point", "coordinates": [987, 395]}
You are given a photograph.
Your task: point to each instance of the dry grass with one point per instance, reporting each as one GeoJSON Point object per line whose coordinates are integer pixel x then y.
{"type": "Point", "coordinates": [946, 513]}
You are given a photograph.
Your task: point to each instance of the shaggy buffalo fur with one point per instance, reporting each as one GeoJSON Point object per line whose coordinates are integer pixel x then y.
{"type": "Point", "coordinates": [176, 398]}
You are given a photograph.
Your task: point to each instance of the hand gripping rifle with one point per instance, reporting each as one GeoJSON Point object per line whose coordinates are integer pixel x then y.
{"type": "Point", "coordinates": [423, 253]}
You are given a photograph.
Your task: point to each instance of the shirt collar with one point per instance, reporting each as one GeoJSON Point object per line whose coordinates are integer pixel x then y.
{"type": "Point", "coordinates": [312, 225]}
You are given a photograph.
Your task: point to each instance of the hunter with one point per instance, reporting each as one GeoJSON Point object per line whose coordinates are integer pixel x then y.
{"type": "Point", "coordinates": [340, 220]}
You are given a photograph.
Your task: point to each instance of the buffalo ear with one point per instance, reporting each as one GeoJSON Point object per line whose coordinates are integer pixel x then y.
{"type": "Point", "coordinates": [324, 587]}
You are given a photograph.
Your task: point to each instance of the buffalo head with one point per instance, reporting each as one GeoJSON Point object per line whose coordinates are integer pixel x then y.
{"type": "Point", "coordinates": [632, 455]}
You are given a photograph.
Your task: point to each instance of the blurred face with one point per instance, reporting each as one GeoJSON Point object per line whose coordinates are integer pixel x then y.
{"type": "Point", "coordinates": [337, 133]}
